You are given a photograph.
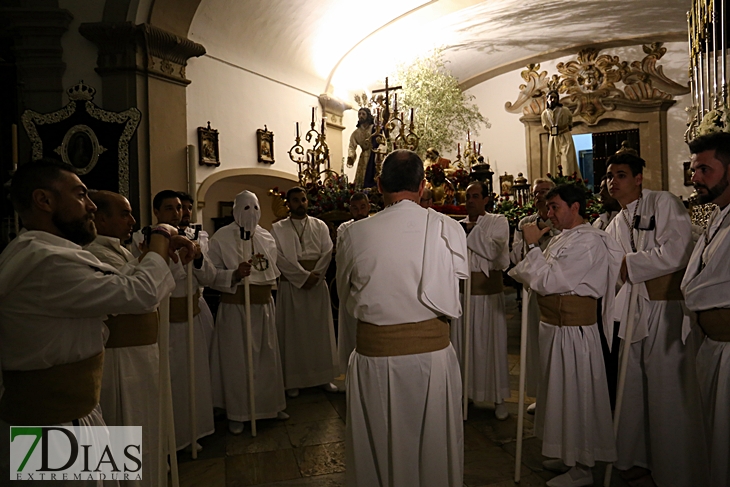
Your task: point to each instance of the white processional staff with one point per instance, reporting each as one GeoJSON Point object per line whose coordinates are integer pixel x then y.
{"type": "Point", "coordinates": [166, 440]}
{"type": "Point", "coordinates": [246, 252]}
{"type": "Point", "coordinates": [521, 391]}
{"type": "Point", "coordinates": [623, 367]}
{"type": "Point", "coordinates": [467, 334]}
{"type": "Point", "coordinates": [191, 361]}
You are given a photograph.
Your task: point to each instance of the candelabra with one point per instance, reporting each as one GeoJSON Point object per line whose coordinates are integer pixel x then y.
{"type": "Point", "coordinates": [707, 68]}
{"type": "Point", "coordinates": [313, 162]}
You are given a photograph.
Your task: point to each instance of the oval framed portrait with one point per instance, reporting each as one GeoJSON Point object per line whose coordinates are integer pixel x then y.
{"type": "Point", "coordinates": [81, 148]}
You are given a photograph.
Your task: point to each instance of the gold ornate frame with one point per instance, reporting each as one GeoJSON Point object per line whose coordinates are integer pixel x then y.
{"type": "Point", "coordinates": [265, 145]}
{"type": "Point", "coordinates": [208, 150]}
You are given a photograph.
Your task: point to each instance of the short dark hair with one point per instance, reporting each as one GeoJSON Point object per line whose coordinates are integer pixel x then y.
{"type": "Point", "coordinates": [402, 171]}
{"type": "Point", "coordinates": [295, 189]}
{"type": "Point", "coordinates": [162, 196]}
{"type": "Point", "coordinates": [185, 197]}
{"type": "Point", "coordinates": [570, 193]}
{"type": "Point", "coordinates": [103, 200]}
{"type": "Point", "coordinates": [38, 174]}
{"type": "Point", "coordinates": [718, 141]}
{"type": "Point", "coordinates": [485, 189]}
{"type": "Point", "coordinates": [635, 163]}
{"type": "Point", "coordinates": [359, 196]}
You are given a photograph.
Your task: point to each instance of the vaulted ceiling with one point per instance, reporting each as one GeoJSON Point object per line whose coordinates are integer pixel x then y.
{"type": "Point", "coordinates": [343, 45]}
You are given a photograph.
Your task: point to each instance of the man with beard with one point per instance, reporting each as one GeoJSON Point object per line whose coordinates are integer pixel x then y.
{"type": "Point", "coordinates": [705, 287]}
{"type": "Point", "coordinates": [558, 121]}
{"type": "Point", "coordinates": [611, 207]}
{"type": "Point", "coordinates": [488, 240]}
{"type": "Point", "coordinates": [362, 136]}
{"type": "Point", "coordinates": [168, 209]}
{"type": "Point", "coordinates": [229, 340]}
{"type": "Point", "coordinates": [578, 267]}
{"type": "Point", "coordinates": [661, 423]}
{"type": "Point", "coordinates": [398, 273]}
{"type": "Point", "coordinates": [540, 188]}
{"type": "Point", "coordinates": [130, 385]}
{"type": "Point", "coordinates": [346, 323]}
{"type": "Point", "coordinates": [54, 298]}
{"type": "Point", "coordinates": [303, 309]}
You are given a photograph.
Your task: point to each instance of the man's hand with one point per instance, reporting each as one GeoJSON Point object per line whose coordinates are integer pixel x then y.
{"type": "Point", "coordinates": [311, 281]}
{"type": "Point", "coordinates": [185, 246]}
{"type": "Point", "coordinates": [244, 269]}
{"type": "Point", "coordinates": [532, 233]}
{"type": "Point", "coordinates": [624, 270]}
{"type": "Point", "coordinates": [198, 251]}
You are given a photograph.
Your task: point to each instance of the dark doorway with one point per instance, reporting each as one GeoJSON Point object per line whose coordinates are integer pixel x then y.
{"type": "Point", "coordinates": [605, 144]}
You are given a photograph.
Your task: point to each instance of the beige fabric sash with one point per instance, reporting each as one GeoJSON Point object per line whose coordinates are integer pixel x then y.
{"type": "Point", "coordinates": [666, 288]}
{"type": "Point", "coordinates": [58, 394]}
{"type": "Point", "coordinates": [568, 310]}
{"type": "Point", "coordinates": [308, 265]}
{"type": "Point", "coordinates": [132, 330]}
{"type": "Point", "coordinates": [715, 323]}
{"type": "Point", "coordinates": [403, 339]}
{"type": "Point", "coordinates": [259, 295]}
{"type": "Point", "coordinates": [481, 285]}
{"type": "Point", "coordinates": [179, 308]}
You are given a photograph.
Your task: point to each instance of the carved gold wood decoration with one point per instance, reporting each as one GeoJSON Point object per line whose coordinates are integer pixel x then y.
{"type": "Point", "coordinates": [592, 84]}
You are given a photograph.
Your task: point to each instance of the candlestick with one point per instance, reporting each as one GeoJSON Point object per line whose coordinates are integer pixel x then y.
{"type": "Point", "coordinates": [468, 137]}
{"type": "Point", "coordinates": [479, 150]}
{"type": "Point", "coordinates": [297, 130]}
{"type": "Point", "coordinates": [458, 149]}
{"type": "Point", "coordinates": [323, 118]}
{"type": "Point", "coordinates": [312, 115]}
{"type": "Point", "coordinates": [395, 103]}
{"type": "Point", "coordinates": [411, 115]}
{"type": "Point", "coordinates": [14, 142]}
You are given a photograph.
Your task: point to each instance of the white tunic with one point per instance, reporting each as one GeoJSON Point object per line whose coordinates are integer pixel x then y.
{"type": "Point", "coordinates": [707, 288]}
{"type": "Point", "coordinates": [130, 385]}
{"type": "Point", "coordinates": [346, 323]}
{"type": "Point", "coordinates": [574, 413]}
{"type": "Point", "coordinates": [604, 219]}
{"type": "Point", "coordinates": [661, 396]}
{"type": "Point", "coordinates": [228, 358]}
{"type": "Point", "coordinates": [304, 317]}
{"type": "Point", "coordinates": [488, 364]}
{"type": "Point", "coordinates": [532, 367]}
{"type": "Point", "coordinates": [54, 298]}
{"type": "Point", "coordinates": [207, 275]}
{"type": "Point", "coordinates": [404, 423]}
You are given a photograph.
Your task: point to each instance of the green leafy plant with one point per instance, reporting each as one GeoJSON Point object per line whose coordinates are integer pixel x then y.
{"type": "Point", "coordinates": [444, 113]}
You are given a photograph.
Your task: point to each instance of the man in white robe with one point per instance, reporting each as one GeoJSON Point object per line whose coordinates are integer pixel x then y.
{"type": "Point", "coordinates": [611, 207]}
{"type": "Point", "coordinates": [167, 208]}
{"type": "Point", "coordinates": [578, 266]}
{"type": "Point", "coordinates": [397, 273]}
{"type": "Point", "coordinates": [705, 286]}
{"type": "Point", "coordinates": [346, 323]}
{"type": "Point", "coordinates": [661, 425]}
{"type": "Point", "coordinates": [54, 298]}
{"type": "Point", "coordinates": [230, 354]}
{"type": "Point", "coordinates": [540, 188]}
{"type": "Point", "coordinates": [558, 121]}
{"type": "Point", "coordinates": [488, 241]}
{"type": "Point", "coordinates": [303, 309]}
{"type": "Point", "coordinates": [130, 384]}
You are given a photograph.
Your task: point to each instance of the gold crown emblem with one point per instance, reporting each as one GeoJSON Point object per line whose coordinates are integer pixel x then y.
{"type": "Point", "coordinates": [80, 91]}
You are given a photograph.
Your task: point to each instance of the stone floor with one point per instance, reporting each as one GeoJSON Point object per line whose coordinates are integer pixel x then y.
{"type": "Point", "coordinates": [309, 448]}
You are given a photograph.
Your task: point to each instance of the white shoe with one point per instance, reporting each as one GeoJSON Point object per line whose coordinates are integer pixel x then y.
{"type": "Point", "coordinates": [577, 476]}
{"type": "Point", "coordinates": [329, 387]}
{"type": "Point", "coordinates": [531, 408]}
{"type": "Point", "coordinates": [189, 448]}
{"type": "Point", "coordinates": [282, 415]}
{"type": "Point", "coordinates": [292, 392]}
{"type": "Point", "coordinates": [235, 427]}
{"type": "Point", "coordinates": [500, 411]}
{"type": "Point", "coordinates": [555, 465]}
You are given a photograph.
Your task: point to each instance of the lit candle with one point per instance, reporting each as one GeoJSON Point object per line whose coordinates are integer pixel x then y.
{"type": "Point", "coordinates": [14, 141]}
{"type": "Point", "coordinates": [297, 130]}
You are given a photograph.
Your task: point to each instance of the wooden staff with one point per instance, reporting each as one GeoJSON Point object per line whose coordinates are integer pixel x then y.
{"type": "Point", "coordinates": [191, 362]}
{"type": "Point", "coordinates": [246, 253]}
{"type": "Point", "coordinates": [166, 440]}
{"type": "Point", "coordinates": [521, 391]}
{"type": "Point", "coordinates": [467, 334]}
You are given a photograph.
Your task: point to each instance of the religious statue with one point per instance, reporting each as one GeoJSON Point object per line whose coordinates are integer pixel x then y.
{"type": "Point", "coordinates": [363, 137]}
{"type": "Point", "coordinates": [558, 121]}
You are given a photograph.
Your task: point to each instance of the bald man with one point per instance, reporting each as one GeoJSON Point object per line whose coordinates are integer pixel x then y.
{"type": "Point", "coordinates": [129, 386]}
